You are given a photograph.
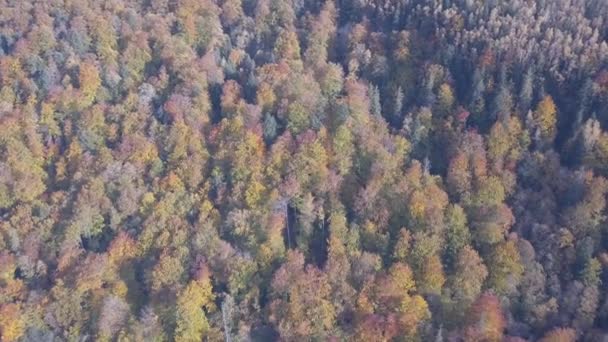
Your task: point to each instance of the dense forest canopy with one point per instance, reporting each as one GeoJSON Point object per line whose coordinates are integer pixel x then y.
{"type": "Point", "coordinates": [290, 170]}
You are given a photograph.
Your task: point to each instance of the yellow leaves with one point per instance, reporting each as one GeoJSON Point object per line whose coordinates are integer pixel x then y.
{"type": "Point", "coordinates": [490, 192]}
{"type": "Point", "coordinates": [402, 148]}
{"type": "Point", "coordinates": [91, 272]}
{"type": "Point", "coordinates": [254, 193]}
{"type": "Point", "coordinates": [42, 38]}
{"type": "Point", "coordinates": [135, 57]}
{"type": "Point", "coordinates": [92, 128]}
{"type": "Point", "coordinates": [105, 40]}
{"type": "Point", "coordinates": [391, 296]}
{"type": "Point", "coordinates": [433, 277]}
{"type": "Point", "coordinates": [186, 13]}
{"type": "Point", "coordinates": [123, 247]}
{"type": "Point", "coordinates": [20, 150]}
{"type": "Point", "coordinates": [402, 278]}
{"type": "Point", "coordinates": [446, 98]}
{"type": "Point", "coordinates": [402, 247]}
{"type": "Point", "coordinates": [120, 289]}
{"type": "Point", "coordinates": [485, 320]}
{"type": "Point", "coordinates": [364, 305]}
{"type": "Point", "coordinates": [546, 117]}
{"type": "Point", "coordinates": [89, 80]}
{"type": "Point", "coordinates": [560, 335]}
{"type": "Point", "coordinates": [144, 152]}
{"type": "Point", "coordinates": [47, 118]}
{"type": "Point", "coordinates": [566, 238]}
{"type": "Point", "coordinates": [505, 267]}
{"type": "Point", "coordinates": [287, 46]}
{"type": "Point", "coordinates": [7, 98]}
{"type": "Point", "coordinates": [459, 177]}
{"type": "Point", "coordinates": [507, 140]}
{"type": "Point", "coordinates": [172, 183]}
{"type": "Point", "coordinates": [417, 205]}
{"type": "Point", "coordinates": [498, 142]}
{"type": "Point", "coordinates": [191, 321]}
{"type": "Point", "coordinates": [469, 275]}
{"type": "Point", "coordinates": [332, 80]}
{"type": "Point", "coordinates": [598, 158]}
{"type": "Point", "coordinates": [147, 200]}
{"type": "Point", "coordinates": [12, 325]}
{"type": "Point", "coordinates": [310, 166]}
{"type": "Point", "coordinates": [265, 96]}
{"type": "Point", "coordinates": [343, 148]}
{"type": "Point", "coordinates": [11, 69]}
{"type": "Point", "coordinates": [298, 118]}
{"type": "Point", "coordinates": [302, 308]}
{"type": "Point", "coordinates": [207, 212]}
{"type": "Point", "coordinates": [250, 151]}
{"type": "Point", "coordinates": [264, 256]}
{"type": "Point", "coordinates": [231, 102]}
{"type": "Point", "coordinates": [167, 270]}
{"type": "Point", "coordinates": [414, 309]}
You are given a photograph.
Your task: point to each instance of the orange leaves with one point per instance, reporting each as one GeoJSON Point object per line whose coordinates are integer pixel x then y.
{"type": "Point", "coordinates": [138, 150]}
{"type": "Point", "coordinates": [287, 46]}
{"type": "Point", "coordinates": [301, 307]}
{"type": "Point", "coordinates": [507, 141]}
{"type": "Point", "coordinates": [401, 50]}
{"type": "Point", "coordinates": [469, 275]}
{"type": "Point", "coordinates": [89, 81]}
{"type": "Point", "coordinates": [389, 305]}
{"type": "Point", "coordinates": [459, 176]}
{"type": "Point", "coordinates": [266, 97]}
{"type": "Point", "coordinates": [417, 205]}
{"type": "Point", "coordinates": [432, 276]}
{"type": "Point", "coordinates": [560, 335]}
{"type": "Point", "coordinates": [12, 324]}
{"type": "Point", "coordinates": [485, 321]}
{"type": "Point", "coordinates": [122, 248]}
{"type": "Point", "coordinates": [402, 278]}
{"type": "Point", "coordinates": [231, 101]}
{"type": "Point", "coordinates": [168, 270]}
{"type": "Point", "coordinates": [24, 175]}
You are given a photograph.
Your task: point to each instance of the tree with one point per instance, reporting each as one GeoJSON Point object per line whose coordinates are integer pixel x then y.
{"type": "Point", "coordinates": [89, 83]}
{"type": "Point", "coordinates": [301, 307]}
{"type": "Point", "coordinates": [23, 175]}
{"type": "Point", "coordinates": [11, 322]}
{"type": "Point", "coordinates": [485, 320]}
{"type": "Point", "coordinates": [545, 117]}
{"type": "Point", "coordinates": [270, 127]}
{"type": "Point", "coordinates": [458, 175]}
{"type": "Point", "coordinates": [390, 306]}
{"type": "Point", "coordinates": [560, 335]}
{"type": "Point", "coordinates": [398, 106]}
{"type": "Point", "coordinates": [468, 276]}
{"type": "Point", "coordinates": [192, 325]}
{"type": "Point", "coordinates": [457, 233]}
{"type": "Point", "coordinates": [374, 97]}
{"type": "Point", "coordinates": [113, 316]}
{"type": "Point", "coordinates": [445, 100]}
{"type": "Point", "coordinates": [505, 269]}
{"type": "Point", "coordinates": [322, 31]}
{"type": "Point", "coordinates": [526, 91]}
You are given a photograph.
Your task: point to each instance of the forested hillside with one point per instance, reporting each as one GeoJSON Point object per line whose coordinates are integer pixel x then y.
{"type": "Point", "coordinates": [290, 170]}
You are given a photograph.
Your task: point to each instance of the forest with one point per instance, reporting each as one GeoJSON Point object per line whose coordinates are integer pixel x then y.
{"type": "Point", "coordinates": [303, 170]}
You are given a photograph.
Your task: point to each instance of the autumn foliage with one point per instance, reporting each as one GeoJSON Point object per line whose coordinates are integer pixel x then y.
{"type": "Point", "coordinates": [287, 170]}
